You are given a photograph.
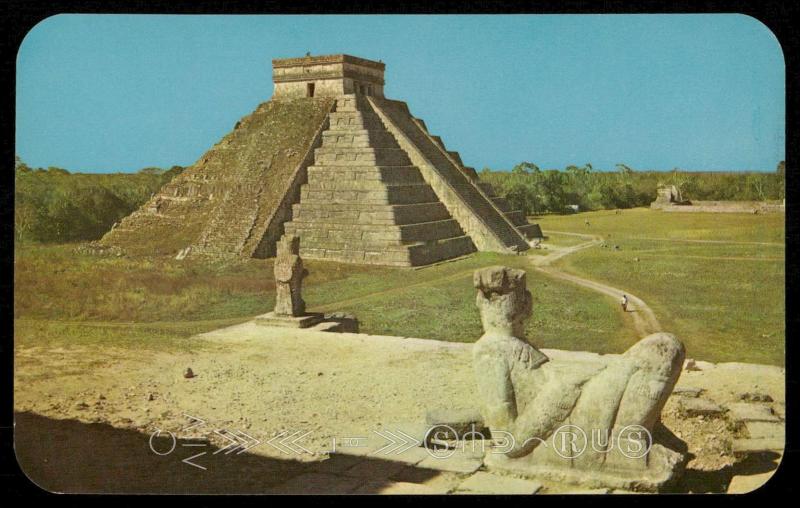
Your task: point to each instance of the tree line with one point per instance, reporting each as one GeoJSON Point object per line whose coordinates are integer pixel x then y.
{"type": "Point", "coordinates": [536, 191]}
{"type": "Point", "coordinates": [54, 205]}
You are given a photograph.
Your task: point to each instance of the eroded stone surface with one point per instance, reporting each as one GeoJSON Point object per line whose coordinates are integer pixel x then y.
{"type": "Point", "coordinates": [750, 412]}
{"type": "Point", "coordinates": [700, 407]}
{"type": "Point", "coordinates": [687, 391]}
{"type": "Point", "coordinates": [289, 274]}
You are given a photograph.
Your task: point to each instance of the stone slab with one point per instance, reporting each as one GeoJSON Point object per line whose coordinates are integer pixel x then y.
{"type": "Point", "coordinates": [272, 319]}
{"type": "Point", "coordinates": [488, 483]}
{"type": "Point", "coordinates": [747, 446]}
{"type": "Point", "coordinates": [700, 407]}
{"type": "Point", "coordinates": [755, 397]}
{"type": "Point", "coordinates": [758, 430]}
{"type": "Point", "coordinates": [747, 412]}
{"type": "Point", "coordinates": [688, 391]}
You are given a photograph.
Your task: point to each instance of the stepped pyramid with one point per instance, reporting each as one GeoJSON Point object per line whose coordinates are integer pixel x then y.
{"type": "Point", "coordinates": [353, 174]}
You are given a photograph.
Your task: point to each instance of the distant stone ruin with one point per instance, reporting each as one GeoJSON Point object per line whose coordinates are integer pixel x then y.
{"type": "Point", "coordinates": [670, 200]}
{"type": "Point", "coordinates": [330, 160]}
{"type": "Point", "coordinates": [592, 423]}
{"type": "Point", "coordinates": [668, 195]}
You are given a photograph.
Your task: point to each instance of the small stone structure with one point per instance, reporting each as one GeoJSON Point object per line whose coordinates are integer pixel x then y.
{"type": "Point", "coordinates": [589, 422]}
{"type": "Point", "coordinates": [290, 309]}
{"type": "Point", "coordinates": [668, 195]}
{"type": "Point", "coordinates": [329, 75]}
{"type": "Point", "coordinates": [331, 160]}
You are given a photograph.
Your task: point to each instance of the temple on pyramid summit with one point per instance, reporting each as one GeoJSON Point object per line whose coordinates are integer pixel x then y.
{"type": "Point", "coordinates": [331, 160]}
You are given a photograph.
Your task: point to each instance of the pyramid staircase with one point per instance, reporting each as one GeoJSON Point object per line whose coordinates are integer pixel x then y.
{"type": "Point", "coordinates": [365, 202]}
{"type": "Point", "coordinates": [487, 218]}
{"type": "Point", "coordinates": [517, 217]}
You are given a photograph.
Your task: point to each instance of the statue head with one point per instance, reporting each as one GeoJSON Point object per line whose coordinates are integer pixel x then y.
{"type": "Point", "coordinates": [503, 300]}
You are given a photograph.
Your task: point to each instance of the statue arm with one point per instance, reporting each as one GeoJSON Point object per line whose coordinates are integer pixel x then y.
{"type": "Point", "coordinates": [497, 391]}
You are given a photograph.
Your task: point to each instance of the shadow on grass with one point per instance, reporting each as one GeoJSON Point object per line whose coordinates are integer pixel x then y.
{"type": "Point", "coordinates": [68, 456]}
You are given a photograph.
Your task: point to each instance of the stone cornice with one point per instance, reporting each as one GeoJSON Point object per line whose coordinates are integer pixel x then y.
{"type": "Point", "coordinates": [289, 78]}
{"type": "Point", "coordinates": [326, 59]}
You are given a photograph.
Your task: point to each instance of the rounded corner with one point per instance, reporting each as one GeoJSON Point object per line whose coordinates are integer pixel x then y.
{"type": "Point", "coordinates": [771, 475]}
{"type": "Point", "coordinates": [24, 466]}
{"type": "Point", "coordinates": [766, 27]}
{"type": "Point", "coordinates": [31, 30]}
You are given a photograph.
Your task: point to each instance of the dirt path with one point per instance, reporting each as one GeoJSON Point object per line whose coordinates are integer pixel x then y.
{"type": "Point", "coordinates": [644, 319]}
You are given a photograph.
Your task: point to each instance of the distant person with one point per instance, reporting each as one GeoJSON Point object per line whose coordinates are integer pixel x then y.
{"type": "Point", "coordinates": [624, 303]}
{"type": "Point", "coordinates": [586, 222]}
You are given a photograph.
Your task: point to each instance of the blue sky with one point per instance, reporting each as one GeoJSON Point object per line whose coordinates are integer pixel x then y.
{"type": "Point", "coordinates": [105, 93]}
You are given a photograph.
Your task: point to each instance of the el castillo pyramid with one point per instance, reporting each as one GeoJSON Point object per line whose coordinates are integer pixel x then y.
{"type": "Point", "coordinates": [330, 159]}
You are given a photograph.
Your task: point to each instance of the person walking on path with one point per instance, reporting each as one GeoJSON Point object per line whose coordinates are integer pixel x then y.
{"type": "Point", "coordinates": [624, 303]}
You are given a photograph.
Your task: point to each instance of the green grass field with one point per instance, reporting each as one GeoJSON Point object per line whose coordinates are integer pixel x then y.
{"type": "Point", "coordinates": [724, 299]}
{"type": "Point", "coordinates": [63, 297]}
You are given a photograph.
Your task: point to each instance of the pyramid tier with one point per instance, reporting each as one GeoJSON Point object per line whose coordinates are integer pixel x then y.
{"type": "Point", "coordinates": [363, 213]}
{"type": "Point", "coordinates": [361, 157]}
{"type": "Point", "coordinates": [381, 253]}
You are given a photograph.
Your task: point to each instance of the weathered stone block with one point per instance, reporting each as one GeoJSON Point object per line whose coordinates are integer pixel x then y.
{"type": "Point", "coordinates": [749, 412]}
{"type": "Point", "coordinates": [700, 407]}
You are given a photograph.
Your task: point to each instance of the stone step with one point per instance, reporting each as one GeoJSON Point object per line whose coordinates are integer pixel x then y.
{"type": "Point", "coordinates": [358, 138]}
{"type": "Point", "coordinates": [349, 102]}
{"type": "Point", "coordinates": [388, 174]}
{"type": "Point", "coordinates": [751, 412]}
{"type": "Point", "coordinates": [531, 231]}
{"type": "Point", "coordinates": [477, 214]}
{"type": "Point", "coordinates": [764, 430]}
{"type": "Point", "coordinates": [502, 204]}
{"type": "Point", "coordinates": [487, 187]}
{"type": "Point", "coordinates": [456, 157]}
{"type": "Point", "coordinates": [759, 445]}
{"type": "Point", "coordinates": [360, 157]}
{"type": "Point", "coordinates": [360, 185]}
{"type": "Point", "coordinates": [319, 231]}
{"type": "Point", "coordinates": [353, 120]}
{"type": "Point", "coordinates": [365, 213]}
{"type": "Point", "coordinates": [389, 195]}
{"type": "Point", "coordinates": [517, 217]}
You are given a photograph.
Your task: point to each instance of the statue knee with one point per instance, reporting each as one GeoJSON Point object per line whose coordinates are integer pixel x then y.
{"type": "Point", "coordinates": [660, 353]}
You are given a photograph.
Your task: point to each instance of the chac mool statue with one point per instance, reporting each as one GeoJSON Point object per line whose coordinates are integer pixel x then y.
{"type": "Point", "coordinates": [583, 421]}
